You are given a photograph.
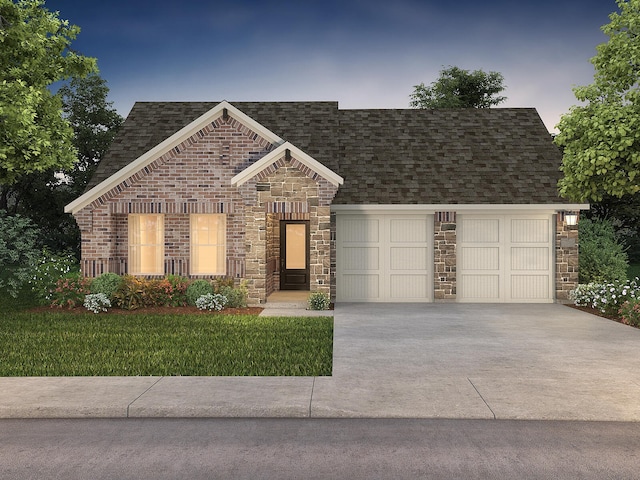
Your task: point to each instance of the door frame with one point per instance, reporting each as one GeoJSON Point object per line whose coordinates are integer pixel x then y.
{"type": "Point", "coordinates": [284, 283]}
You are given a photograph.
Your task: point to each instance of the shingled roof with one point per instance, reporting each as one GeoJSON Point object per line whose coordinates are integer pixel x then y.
{"type": "Point", "coordinates": [409, 156]}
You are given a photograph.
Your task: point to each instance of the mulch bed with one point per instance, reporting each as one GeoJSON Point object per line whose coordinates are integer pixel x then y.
{"type": "Point", "coordinates": [156, 310]}
{"type": "Point", "coordinates": [594, 311]}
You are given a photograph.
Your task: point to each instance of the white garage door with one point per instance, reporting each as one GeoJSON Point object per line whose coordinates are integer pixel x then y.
{"type": "Point", "coordinates": [384, 258]}
{"type": "Point", "coordinates": [505, 258]}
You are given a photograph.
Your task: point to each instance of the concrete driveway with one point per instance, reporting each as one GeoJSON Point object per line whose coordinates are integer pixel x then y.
{"type": "Point", "coordinates": [414, 361]}
{"type": "Point", "coordinates": [480, 361]}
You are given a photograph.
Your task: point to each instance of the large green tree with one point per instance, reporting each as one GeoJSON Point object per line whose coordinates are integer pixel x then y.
{"type": "Point", "coordinates": [458, 88]}
{"type": "Point", "coordinates": [34, 54]}
{"type": "Point", "coordinates": [601, 138]}
{"type": "Point", "coordinates": [41, 196]}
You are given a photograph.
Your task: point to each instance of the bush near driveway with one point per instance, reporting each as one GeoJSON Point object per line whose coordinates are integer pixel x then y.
{"type": "Point", "coordinates": [609, 297]}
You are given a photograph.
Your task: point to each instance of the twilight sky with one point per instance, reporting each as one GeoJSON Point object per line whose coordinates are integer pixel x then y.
{"type": "Point", "coordinates": [361, 53]}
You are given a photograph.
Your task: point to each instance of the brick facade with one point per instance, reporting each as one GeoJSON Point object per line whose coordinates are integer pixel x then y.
{"type": "Point", "coordinates": [195, 177]}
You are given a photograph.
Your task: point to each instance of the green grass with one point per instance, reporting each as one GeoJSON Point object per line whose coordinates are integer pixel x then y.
{"type": "Point", "coordinates": [633, 271]}
{"type": "Point", "coordinates": [62, 344]}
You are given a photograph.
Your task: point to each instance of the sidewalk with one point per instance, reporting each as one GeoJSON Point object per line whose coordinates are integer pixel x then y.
{"type": "Point", "coordinates": [544, 362]}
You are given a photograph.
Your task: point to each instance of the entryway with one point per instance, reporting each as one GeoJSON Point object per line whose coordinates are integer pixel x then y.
{"type": "Point", "coordinates": [294, 255]}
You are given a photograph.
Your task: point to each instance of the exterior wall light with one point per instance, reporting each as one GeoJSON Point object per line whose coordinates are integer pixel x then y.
{"type": "Point", "coordinates": [571, 218]}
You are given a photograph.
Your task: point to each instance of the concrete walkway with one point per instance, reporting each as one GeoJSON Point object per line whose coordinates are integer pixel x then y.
{"type": "Point", "coordinates": [415, 361]}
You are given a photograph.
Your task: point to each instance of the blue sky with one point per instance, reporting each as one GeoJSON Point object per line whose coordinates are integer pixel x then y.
{"type": "Point", "coordinates": [361, 53]}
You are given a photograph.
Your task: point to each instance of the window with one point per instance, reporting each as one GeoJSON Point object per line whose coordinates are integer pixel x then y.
{"type": "Point", "coordinates": [208, 244]}
{"type": "Point", "coordinates": [146, 244]}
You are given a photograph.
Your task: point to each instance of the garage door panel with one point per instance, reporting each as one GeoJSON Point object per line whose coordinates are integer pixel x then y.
{"type": "Point", "coordinates": [407, 287]}
{"type": "Point", "coordinates": [360, 230]}
{"type": "Point", "coordinates": [409, 258]}
{"type": "Point", "coordinates": [408, 231]}
{"type": "Point", "coordinates": [480, 230]}
{"type": "Point", "coordinates": [529, 287]}
{"type": "Point", "coordinates": [529, 258]}
{"type": "Point", "coordinates": [481, 287]}
{"type": "Point", "coordinates": [530, 230]}
{"type": "Point", "coordinates": [480, 258]}
{"type": "Point", "coordinates": [361, 287]}
{"type": "Point", "coordinates": [361, 258]}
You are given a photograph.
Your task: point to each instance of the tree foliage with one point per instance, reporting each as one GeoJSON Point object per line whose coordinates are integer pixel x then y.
{"type": "Point", "coordinates": [457, 88]}
{"type": "Point", "coordinates": [19, 251]}
{"type": "Point", "coordinates": [601, 138]}
{"type": "Point", "coordinates": [34, 54]}
{"type": "Point", "coordinates": [602, 255]}
{"type": "Point", "coordinates": [42, 196]}
{"type": "Point", "coordinates": [94, 121]}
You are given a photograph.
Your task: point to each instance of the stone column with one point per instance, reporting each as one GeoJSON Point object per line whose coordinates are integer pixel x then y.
{"type": "Point", "coordinates": [566, 258]}
{"type": "Point", "coordinates": [444, 252]}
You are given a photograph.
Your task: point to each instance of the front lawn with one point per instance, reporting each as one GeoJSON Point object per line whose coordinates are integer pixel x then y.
{"type": "Point", "coordinates": [62, 344]}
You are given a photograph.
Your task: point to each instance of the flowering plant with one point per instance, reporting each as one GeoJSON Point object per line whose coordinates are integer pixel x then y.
{"type": "Point", "coordinates": [97, 302]}
{"type": "Point", "coordinates": [630, 312]}
{"type": "Point", "coordinates": [211, 301]}
{"type": "Point", "coordinates": [606, 297]}
{"type": "Point", "coordinates": [70, 291]}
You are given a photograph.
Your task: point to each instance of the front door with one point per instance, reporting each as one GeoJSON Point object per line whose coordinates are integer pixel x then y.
{"type": "Point", "coordinates": [294, 255]}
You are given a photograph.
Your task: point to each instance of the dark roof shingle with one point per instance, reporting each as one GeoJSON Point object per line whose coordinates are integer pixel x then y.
{"type": "Point", "coordinates": [447, 156]}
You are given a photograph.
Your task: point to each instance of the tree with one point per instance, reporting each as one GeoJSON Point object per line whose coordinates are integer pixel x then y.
{"type": "Point", "coordinates": [34, 54]}
{"type": "Point", "coordinates": [94, 121]}
{"type": "Point", "coordinates": [41, 196]}
{"type": "Point", "coordinates": [457, 88]}
{"type": "Point", "coordinates": [601, 139]}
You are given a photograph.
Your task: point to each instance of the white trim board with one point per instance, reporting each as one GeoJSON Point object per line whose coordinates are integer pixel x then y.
{"type": "Point", "coordinates": [296, 153]}
{"type": "Point", "coordinates": [463, 208]}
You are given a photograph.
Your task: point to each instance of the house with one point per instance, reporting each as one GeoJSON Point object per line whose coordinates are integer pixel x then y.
{"type": "Point", "coordinates": [367, 205]}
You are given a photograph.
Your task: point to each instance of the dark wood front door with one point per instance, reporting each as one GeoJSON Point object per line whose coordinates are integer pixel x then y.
{"type": "Point", "coordinates": [294, 255]}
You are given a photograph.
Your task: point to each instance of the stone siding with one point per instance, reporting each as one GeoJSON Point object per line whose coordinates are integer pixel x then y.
{"type": "Point", "coordinates": [566, 258]}
{"type": "Point", "coordinates": [445, 260]}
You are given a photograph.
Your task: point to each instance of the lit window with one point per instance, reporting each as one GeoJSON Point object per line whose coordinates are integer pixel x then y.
{"type": "Point", "coordinates": [146, 244]}
{"type": "Point", "coordinates": [208, 244]}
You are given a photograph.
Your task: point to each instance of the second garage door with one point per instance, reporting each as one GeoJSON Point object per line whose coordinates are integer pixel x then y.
{"type": "Point", "coordinates": [505, 258]}
{"type": "Point", "coordinates": [384, 258]}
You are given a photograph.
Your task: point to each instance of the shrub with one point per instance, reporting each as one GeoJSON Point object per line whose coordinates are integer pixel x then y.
{"type": "Point", "coordinates": [197, 289]}
{"type": "Point", "coordinates": [606, 297]}
{"type": "Point", "coordinates": [70, 291]}
{"type": "Point", "coordinates": [19, 252]}
{"type": "Point", "coordinates": [50, 268]}
{"type": "Point", "coordinates": [97, 302]}
{"type": "Point", "coordinates": [236, 296]}
{"type": "Point", "coordinates": [630, 312]}
{"type": "Point", "coordinates": [319, 301]}
{"type": "Point", "coordinates": [107, 284]}
{"type": "Point", "coordinates": [177, 294]}
{"type": "Point", "coordinates": [602, 255]}
{"type": "Point", "coordinates": [131, 293]}
{"type": "Point", "coordinates": [211, 301]}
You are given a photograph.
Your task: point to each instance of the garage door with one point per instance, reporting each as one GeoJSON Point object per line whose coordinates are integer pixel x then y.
{"type": "Point", "coordinates": [505, 258]}
{"type": "Point", "coordinates": [384, 258]}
